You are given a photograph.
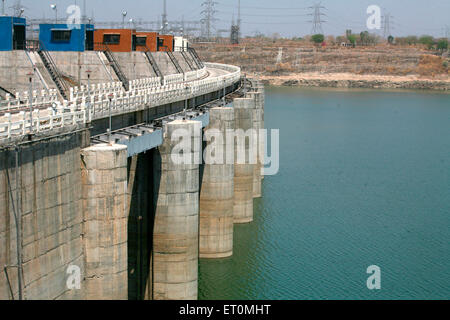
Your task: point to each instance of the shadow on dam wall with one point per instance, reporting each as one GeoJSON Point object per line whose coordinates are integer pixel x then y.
{"type": "Point", "coordinates": [140, 225]}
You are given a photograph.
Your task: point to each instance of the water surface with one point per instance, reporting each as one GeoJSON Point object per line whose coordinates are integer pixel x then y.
{"type": "Point", "coordinates": [364, 179]}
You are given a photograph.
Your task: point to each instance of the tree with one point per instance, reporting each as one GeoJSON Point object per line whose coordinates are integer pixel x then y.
{"type": "Point", "coordinates": [427, 41]}
{"type": "Point", "coordinates": [318, 38]}
{"type": "Point", "coordinates": [352, 39]}
{"type": "Point", "coordinates": [364, 37]}
{"type": "Point", "coordinates": [390, 39]}
{"type": "Point", "coordinates": [442, 44]}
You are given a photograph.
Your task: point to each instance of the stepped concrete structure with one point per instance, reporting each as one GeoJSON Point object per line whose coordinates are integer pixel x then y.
{"type": "Point", "coordinates": [95, 206]}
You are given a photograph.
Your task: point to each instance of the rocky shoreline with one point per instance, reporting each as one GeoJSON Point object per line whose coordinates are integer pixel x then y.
{"type": "Point", "coordinates": [371, 82]}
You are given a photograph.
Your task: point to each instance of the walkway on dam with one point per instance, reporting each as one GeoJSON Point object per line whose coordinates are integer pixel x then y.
{"type": "Point", "coordinates": [87, 104]}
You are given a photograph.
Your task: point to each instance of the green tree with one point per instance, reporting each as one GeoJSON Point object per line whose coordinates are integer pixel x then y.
{"type": "Point", "coordinates": [442, 44]}
{"type": "Point", "coordinates": [352, 39]}
{"type": "Point", "coordinates": [364, 37]}
{"type": "Point", "coordinates": [318, 38]}
{"type": "Point", "coordinates": [427, 41]}
{"type": "Point", "coordinates": [390, 39]}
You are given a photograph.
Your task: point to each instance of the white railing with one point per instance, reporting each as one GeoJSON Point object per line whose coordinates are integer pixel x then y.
{"type": "Point", "coordinates": [40, 99]}
{"type": "Point", "coordinates": [83, 108]}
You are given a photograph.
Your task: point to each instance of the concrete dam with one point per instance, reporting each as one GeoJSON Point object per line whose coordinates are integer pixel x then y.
{"type": "Point", "coordinates": [93, 205]}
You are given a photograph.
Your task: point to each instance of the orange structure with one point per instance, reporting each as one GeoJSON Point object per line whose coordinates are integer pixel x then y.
{"type": "Point", "coordinates": [165, 43]}
{"type": "Point", "coordinates": [144, 40]}
{"type": "Point", "coordinates": [118, 40]}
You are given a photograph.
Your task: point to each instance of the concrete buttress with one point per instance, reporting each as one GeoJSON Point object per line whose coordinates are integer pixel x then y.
{"type": "Point", "coordinates": [243, 172]}
{"type": "Point", "coordinates": [217, 190]}
{"type": "Point", "coordinates": [176, 200]}
{"type": "Point", "coordinates": [104, 182]}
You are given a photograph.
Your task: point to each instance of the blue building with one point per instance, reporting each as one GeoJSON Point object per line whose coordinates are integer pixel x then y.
{"type": "Point", "coordinates": [12, 33]}
{"type": "Point", "coordinates": [64, 37]}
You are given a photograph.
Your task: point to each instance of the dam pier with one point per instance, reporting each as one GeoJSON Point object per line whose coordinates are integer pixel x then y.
{"type": "Point", "coordinates": [93, 204]}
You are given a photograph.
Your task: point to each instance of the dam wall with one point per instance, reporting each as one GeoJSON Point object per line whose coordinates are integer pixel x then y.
{"type": "Point", "coordinates": [96, 222]}
{"type": "Point", "coordinates": [15, 67]}
{"type": "Point", "coordinates": [44, 191]}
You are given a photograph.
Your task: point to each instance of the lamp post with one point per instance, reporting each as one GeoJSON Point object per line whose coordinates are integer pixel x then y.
{"type": "Point", "coordinates": [89, 93]}
{"type": "Point", "coordinates": [224, 92]}
{"type": "Point", "coordinates": [30, 98]}
{"type": "Point", "coordinates": [110, 118]}
{"type": "Point", "coordinates": [124, 14]}
{"type": "Point", "coordinates": [186, 103]}
{"type": "Point", "coordinates": [54, 7]}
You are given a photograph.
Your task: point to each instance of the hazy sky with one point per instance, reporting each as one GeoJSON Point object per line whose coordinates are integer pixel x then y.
{"type": "Point", "coordinates": [287, 17]}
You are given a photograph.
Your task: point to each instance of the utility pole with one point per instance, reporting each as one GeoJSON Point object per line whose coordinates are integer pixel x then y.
{"type": "Point", "coordinates": [317, 20]}
{"type": "Point", "coordinates": [208, 20]}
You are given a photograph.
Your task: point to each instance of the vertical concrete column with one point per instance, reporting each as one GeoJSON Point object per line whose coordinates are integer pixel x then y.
{"type": "Point", "coordinates": [243, 173]}
{"type": "Point", "coordinates": [260, 104]}
{"type": "Point", "coordinates": [257, 125]}
{"type": "Point", "coordinates": [217, 190]}
{"type": "Point", "coordinates": [104, 183]}
{"type": "Point", "coordinates": [176, 200]}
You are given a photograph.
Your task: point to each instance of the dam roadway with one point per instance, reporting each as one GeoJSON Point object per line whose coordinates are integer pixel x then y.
{"type": "Point", "coordinates": [95, 208]}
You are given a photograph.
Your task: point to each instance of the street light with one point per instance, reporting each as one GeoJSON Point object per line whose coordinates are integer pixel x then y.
{"type": "Point", "coordinates": [22, 10]}
{"type": "Point", "coordinates": [124, 14]}
{"type": "Point", "coordinates": [30, 97]}
{"type": "Point", "coordinates": [110, 118]}
{"type": "Point", "coordinates": [54, 7]}
{"type": "Point", "coordinates": [89, 93]}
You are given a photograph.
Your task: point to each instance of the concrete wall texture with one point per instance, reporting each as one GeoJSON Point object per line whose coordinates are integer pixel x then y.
{"type": "Point", "coordinates": [105, 208]}
{"type": "Point", "coordinates": [243, 173]}
{"type": "Point", "coordinates": [257, 125]}
{"type": "Point", "coordinates": [49, 199]}
{"type": "Point", "coordinates": [217, 194]}
{"type": "Point", "coordinates": [135, 227]}
{"type": "Point", "coordinates": [15, 65]}
{"type": "Point", "coordinates": [175, 237]}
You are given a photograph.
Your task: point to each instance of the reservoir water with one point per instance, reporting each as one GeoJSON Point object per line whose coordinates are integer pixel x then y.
{"type": "Point", "coordinates": [364, 180]}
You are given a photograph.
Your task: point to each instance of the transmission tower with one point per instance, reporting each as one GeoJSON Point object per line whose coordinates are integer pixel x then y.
{"type": "Point", "coordinates": [317, 21]}
{"type": "Point", "coordinates": [164, 22]}
{"type": "Point", "coordinates": [208, 18]}
{"type": "Point", "coordinates": [387, 20]}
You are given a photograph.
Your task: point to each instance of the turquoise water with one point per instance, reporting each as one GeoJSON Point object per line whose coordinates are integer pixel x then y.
{"type": "Point", "coordinates": [364, 180]}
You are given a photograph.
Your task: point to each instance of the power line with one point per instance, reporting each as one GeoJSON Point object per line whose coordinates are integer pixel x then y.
{"type": "Point", "coordinates": [387, 20]}
{"type": "Point", "coordinates": [208, 18]}
{"type": "Point", "coordinates": [317, 21]}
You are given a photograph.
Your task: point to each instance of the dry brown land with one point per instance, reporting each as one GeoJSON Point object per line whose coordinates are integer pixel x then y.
{"type": "Point", "coordinates": [303, 64]}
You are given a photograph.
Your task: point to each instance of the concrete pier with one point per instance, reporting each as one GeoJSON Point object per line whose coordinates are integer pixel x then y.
{"type": "Point", "coordinates": [257, 125]}
{"type": "Point", "coordinates": [243, 172]}
{"type": "Point", "coordinates": [104, 183]}
{"type": "Point", "coordinates": [217, 190]}
{"type": "Point", "coordinates": [176, 200]}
